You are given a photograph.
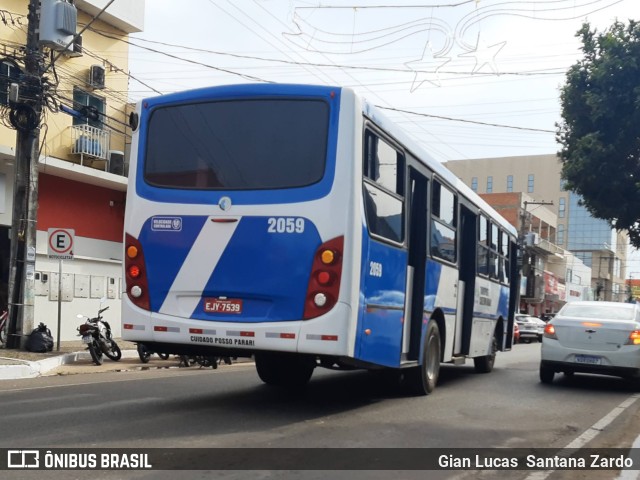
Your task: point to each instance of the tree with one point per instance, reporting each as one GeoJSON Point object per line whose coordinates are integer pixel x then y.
{"type": "Point", "coordinates": [600, 128]}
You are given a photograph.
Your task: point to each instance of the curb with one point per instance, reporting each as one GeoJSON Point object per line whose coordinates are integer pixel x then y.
{"type": "Point", "coordinates": [28, 369]}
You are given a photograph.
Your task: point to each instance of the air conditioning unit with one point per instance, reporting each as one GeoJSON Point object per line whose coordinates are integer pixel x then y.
{"type": "Point", "coordinates": [532, 238]}
{"type": "Point", "coordinates": [116, 162]}
{"type": "Point", "coordinates": [96, 76]}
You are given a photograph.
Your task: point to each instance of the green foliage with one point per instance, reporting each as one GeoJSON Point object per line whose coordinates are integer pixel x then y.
{"type": "Point", "coordinates": [600, 128]}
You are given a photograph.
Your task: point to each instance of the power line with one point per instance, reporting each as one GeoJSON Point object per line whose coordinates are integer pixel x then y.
{"type": "Point", "coordinates": [441, 117]}
{"type": "Point", "coordinates": [194, 62]}
{"type": "Point", "coordinates": [546, 71]}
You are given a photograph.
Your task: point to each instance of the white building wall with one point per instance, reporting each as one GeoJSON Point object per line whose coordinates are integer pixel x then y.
{"type": "Point", "coordinates": [86, 279]}
{"type": "Point", "coordinates": [127, 15]}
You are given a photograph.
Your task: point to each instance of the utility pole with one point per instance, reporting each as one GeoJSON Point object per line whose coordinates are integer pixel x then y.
{"type": "Point", "coordinates": [26, 113]}
{"type": "Point", "coordinates": [523, 217]}
{"type": "Point", "coordinates": [528, 267]}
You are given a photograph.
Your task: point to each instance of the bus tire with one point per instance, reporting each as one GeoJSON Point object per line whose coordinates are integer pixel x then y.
{"type": "Point", "coordinates": [284, 369]}
{"type": "Point", "coordinates": [485, 364]}
{"type": "Point", "coordinates": [422, 380]}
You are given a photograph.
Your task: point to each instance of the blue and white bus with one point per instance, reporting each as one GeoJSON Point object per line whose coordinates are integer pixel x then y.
{"type": "Point", "coordinates": [298, 225]}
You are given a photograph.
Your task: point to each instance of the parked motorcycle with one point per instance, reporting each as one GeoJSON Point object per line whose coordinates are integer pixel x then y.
{"type": "Point", "coordinates": [96, 334]}
{"type": "Point", "coordinates": [145, 353]}
{"type": "Point", "coordinates": [204, 360]}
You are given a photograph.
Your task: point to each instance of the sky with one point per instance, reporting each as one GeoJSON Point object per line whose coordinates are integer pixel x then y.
{"type": "Point", "coordinates": [465, 78]}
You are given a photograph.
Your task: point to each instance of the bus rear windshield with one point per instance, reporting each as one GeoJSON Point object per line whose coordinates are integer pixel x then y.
{"type": "Point", "coordinates": [237, 145]}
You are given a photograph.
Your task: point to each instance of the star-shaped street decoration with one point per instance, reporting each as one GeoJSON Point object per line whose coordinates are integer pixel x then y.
{"type": "Point", "coordinates": [423, 67]}
{"type": "Point", "coordinates": [485, 55]}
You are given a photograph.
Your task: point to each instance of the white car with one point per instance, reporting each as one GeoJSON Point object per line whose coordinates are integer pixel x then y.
{"type": "Point", "coordinates": [531, 328]}
{"type": "Point", "coordinates": [592, 337]}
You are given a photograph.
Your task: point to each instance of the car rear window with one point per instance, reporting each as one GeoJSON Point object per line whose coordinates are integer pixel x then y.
{"type": "Point", "coordinates": [249, 144]}
{"type": "Point", "coordinates": [604, 312]}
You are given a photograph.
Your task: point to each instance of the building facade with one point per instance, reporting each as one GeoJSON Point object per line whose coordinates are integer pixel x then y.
{"type": "Point", "coordinates": [591, 242]}
{"type": "Point", "coordinates": [82, 163]}
{"type": "Point", "coordinates": [551, 275]}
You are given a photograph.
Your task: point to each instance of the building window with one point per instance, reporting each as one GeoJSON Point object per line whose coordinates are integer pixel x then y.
{"type": "Point", "coordinates": [489, 184]}
{"type": "Point", "coordinates": [9, 73]}
{"type": "Point", "coordinates": [509, 183]}
{"type": "Point", "coordinates": [563, 183]}
{"type": "Point", "coordinates": [85, 99]}
{"type": "Point", "coordinates": [474, 184]}
{"type": "Point", "coordinates": [562, 206]}
{"type": "Point", "coordinates": [530, 183]}
{"type": "Point", "coordinates": [560, 234]}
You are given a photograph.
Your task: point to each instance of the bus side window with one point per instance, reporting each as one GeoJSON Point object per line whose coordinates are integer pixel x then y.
{"type": "Point", "coordinates": [383, 164]}
{"type": "Point", "coordinates": [483, 246]}
{"type": "Point", "coordinates": [383, 169]}
{"type": "Point", "coordinates": [443, 223]}
{"type": "Point", "coordinates": [443, 241]}
{"type": "Point", "coordinates": [504, 258]}
{"type": "Point", "coordinates": [493, 264]}
{"type": "Point", "coordinates": [496, 259]}
{"type": "Point", "coordinates": [384, 213]}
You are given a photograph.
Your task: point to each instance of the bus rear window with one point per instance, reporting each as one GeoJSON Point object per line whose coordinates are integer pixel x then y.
{"type": "Point", "coordinates": [237, 145]}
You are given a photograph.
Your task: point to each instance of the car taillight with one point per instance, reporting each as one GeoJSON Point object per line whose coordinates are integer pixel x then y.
{"type": "Point", "coordinates": [135, 273]}
{"type": "Point", "coordinates": [550, 331]}
{"type": "Point", "coordinates": [634, 338]}
{"type": "Point", "coordinates": [324, 281]}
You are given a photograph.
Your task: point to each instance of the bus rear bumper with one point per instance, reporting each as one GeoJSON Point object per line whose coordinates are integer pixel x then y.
{"type": "Point", "coordinates": [325, 335]}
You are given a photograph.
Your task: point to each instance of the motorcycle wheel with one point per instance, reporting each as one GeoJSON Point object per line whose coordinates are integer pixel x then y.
{"type": "Point", "coordinates": [114, 352]}
{"type": "Point", "coordinates": [186, 360]}
{"type": "Point", "coordinates": [163, 356]}
{"type": "Point", "coordinates": [205, 361]}
{"type": "Point", "coordinates": [143, 353]}
{"type": "Point", "coordinates": [96, 353]}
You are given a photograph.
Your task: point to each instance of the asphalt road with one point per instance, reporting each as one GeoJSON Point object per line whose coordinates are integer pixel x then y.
{"type": "Point", "coordinates": [230, 408]}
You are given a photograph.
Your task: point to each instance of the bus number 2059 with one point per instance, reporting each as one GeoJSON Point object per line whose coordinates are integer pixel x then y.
{"type": "Point", "coordinates": [285, 225]}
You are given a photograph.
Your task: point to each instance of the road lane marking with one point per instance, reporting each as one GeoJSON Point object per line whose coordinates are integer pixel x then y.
{"type": "Point", "coordinates": [590, 433]}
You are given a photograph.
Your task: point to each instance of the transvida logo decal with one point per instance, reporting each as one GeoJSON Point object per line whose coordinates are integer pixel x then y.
{"type": "Point", "coordinates": [166, 224]}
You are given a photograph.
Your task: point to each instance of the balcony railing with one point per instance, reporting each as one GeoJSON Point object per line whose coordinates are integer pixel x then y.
{"type": "Point", "coordinates": [90, 143]}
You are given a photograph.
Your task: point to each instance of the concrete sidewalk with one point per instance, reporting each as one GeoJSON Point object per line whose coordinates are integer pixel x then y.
{"type": "Point", "coordinates": [72, 358]}
{"type": "Point", "coordinates": [15, 364]}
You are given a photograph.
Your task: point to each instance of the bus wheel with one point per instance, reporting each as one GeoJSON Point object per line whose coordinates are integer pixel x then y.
{"type": "Point", "coordinates": [284, 369]}
{"type": "Point", "coordinates": [485, 364]}
{"type": "Point", "coordinates": [422, 380]}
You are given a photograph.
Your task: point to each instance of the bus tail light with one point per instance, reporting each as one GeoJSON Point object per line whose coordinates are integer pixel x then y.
{"type": "Point", "coordinates": [135, 274]}
{"type": "Point", "coordinates": [324, 281]}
